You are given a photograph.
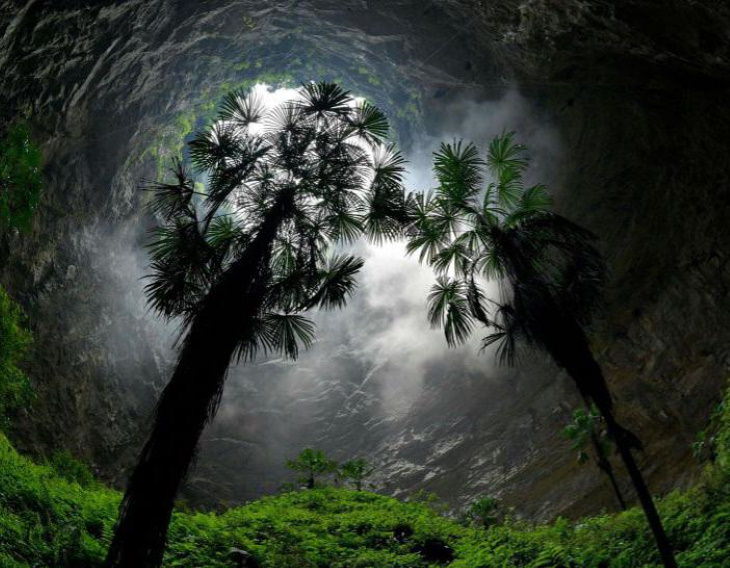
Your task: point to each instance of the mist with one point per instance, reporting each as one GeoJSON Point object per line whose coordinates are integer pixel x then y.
{"type": "Point", "coordinates": [367, 371]}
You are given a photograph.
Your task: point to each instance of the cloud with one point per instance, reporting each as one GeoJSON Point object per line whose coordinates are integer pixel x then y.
{"type": "Point", "coordinates": [372, 360]}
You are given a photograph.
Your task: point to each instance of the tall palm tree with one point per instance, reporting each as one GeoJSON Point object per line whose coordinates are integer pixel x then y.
{"type": "Point", "coordinates": [585, 430]}
{"type": "Point", "coordinates": [239, 263]}
{"type": "Point", "coordinates": [549, 272]}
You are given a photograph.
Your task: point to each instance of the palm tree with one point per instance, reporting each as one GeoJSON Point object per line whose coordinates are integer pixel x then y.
{"type": "Point", "coordinates": [238, 264]}
{"type": "Point", "coordinates": [585, 430]}
{"type": "Point", "coordinates": [550, 275]}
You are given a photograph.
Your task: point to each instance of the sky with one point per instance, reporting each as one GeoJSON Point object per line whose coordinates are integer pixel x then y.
{"type": "Point", "coordinates": [371, 360]}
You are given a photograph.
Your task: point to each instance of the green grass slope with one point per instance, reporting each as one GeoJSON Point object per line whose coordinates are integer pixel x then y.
{"type": "Point", "coordinates": [48, 519]}
{"type": "Point", "coordinates": [57, 516]}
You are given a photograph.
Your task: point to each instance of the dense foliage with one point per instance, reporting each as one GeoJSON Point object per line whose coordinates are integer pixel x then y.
{"type": "Point", "coordinates": [49, 520]}
{"type": "Point", "coordinates": [14, 340]}
{"type": "Point", "coordinates": [20, 177]}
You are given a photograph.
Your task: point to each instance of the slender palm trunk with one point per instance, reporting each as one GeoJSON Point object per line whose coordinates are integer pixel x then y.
{"type": "Point", "coordinates": [188, 402]}
{"type": "Point", "coordinates": [564, 339]}
{"type": "Point", "coordinates": [605, 466]}
{"type": "Point", "coordinates": [575, 356]}
{"type": "Point", "coordinates": [642, 491]}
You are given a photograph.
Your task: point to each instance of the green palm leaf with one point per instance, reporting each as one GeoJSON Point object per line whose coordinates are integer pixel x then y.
{"type": "Point", "coordinates": [172, 199]}
{"type": "Point", "coordinates": [504, 155]}
{"type": "Point", "coordinates": [448, 308]}
{"type": "Point", "coordinates": [370, 123]}
{"type": "Point", "coordinates": [458, 170]}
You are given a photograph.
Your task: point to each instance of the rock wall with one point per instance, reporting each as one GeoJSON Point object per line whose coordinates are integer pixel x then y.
{"type": "Point", "coordinates": [636, 91]}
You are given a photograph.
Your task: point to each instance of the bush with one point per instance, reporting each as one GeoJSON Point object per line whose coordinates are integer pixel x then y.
{"type": "Point", "coordinates": [52, 516]}
{"type": "Point", "coordinates": [71, 469]}
{"type": "Point", "coordinates": [15, 391]}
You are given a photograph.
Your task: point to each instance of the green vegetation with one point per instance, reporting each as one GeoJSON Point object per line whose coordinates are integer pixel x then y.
{"type": "Point", "coordinates": [69, 468]}
{"type": "Point", "coordinates": [242, 265]}
{"type": "Point", "coordinates": [550, 273]}
{"type": "Point", "coordinates": [313, 464]}
{"type": "Point", "coordinates": [20, 177]}
{"type": "Point", "coordinates": [485, 511]}
{"type": "Point", "coordinates": [15, 391]}
{"type": "Point", "coordinates": [47, 520]}
{"type": "Point", "coordinates": [586, 431]}
{"type": "Point", "coordinates": [356, 472]}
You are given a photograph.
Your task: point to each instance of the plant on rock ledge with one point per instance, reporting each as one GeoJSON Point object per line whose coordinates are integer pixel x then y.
{"type": "Point", "coordinates": [550, 275]}
{"type": "Point", "coordinates": [586, 430]}
{"type": "Point", "coordinates": [240, 264]}
{"type": "Point", "coordinates": [15, 389]}
{"type": "Point", "coordinates": [21, 179]}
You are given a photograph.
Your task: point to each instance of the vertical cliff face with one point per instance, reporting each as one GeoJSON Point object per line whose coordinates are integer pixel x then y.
{"type": "Point", "coordinates": [634, 95]}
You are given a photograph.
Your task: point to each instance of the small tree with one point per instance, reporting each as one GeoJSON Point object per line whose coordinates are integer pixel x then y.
{"type": "Point", "coordinates": [312, 463]}
{"type": "Point", "coordinates": [20, 177]}
{"type": "Point", "coordinates": [585, 430]}
{"type": "Point", "coordinates": [485, 511]}
{"type": "Point", "coordinates": [356, 471]}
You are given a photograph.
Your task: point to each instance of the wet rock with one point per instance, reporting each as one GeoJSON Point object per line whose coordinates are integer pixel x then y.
{"type": "Point", "coordinates": [638, 96]}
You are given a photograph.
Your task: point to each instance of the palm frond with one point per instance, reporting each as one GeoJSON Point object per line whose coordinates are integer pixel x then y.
{"type": "Point", "coordinates": [388, 165]}
{"type": "Point", "coordinates": [171, 291]}
{"type": "Point", "coordinates": [477, 300]}
{"type": "Point", "coordinates": [172, 199]}
{"type": "Point", "coordinates": [385, 211]}
{"type": "Point", "coordinates": [336, 282]}
{"type": "Point", "coordinates": [508, 331]}
{"type": "Point", "coordinates": [455, 256]}
{"type": "Point", "coordinates": [346, 226]}
{"type": "Point", "coordinates": [214, 147]}
{"type": "Point", "coordinates": [504, 155]}
{"type": "Point", "coordinates": [491, 264]}
{"type": "Point", "coordinates": [509, 188]}
{"type": "Point", "coordinates": [370, 123]}
{"type": "Point", "coordinates": [242, 108]}
{"type": "Point", "coordinates": [448, 308]}
{"type": "Point", "coordinates": [222, 232]}
{"type": "Point", "coordinates": [458, 170]}
{"type": "Point", "coordinates": [287, 333]}
{"type": "Point", "coordinates": [323, 99]}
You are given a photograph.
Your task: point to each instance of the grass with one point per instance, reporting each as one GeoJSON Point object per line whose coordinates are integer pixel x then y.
{"type": "Point", "coordinates": [55, 515]}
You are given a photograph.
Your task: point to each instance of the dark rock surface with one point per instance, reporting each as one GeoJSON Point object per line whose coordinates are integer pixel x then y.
{"type": "Point", "coordinates": [637, 92]}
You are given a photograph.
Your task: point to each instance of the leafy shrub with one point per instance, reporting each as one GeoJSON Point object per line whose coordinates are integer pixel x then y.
{"type": "Point", "coordinates": [49, 519]}
{"type": "Point", "coordinates": [71, 469]}
{"type": "Point", "coordinates": [15, 391]}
